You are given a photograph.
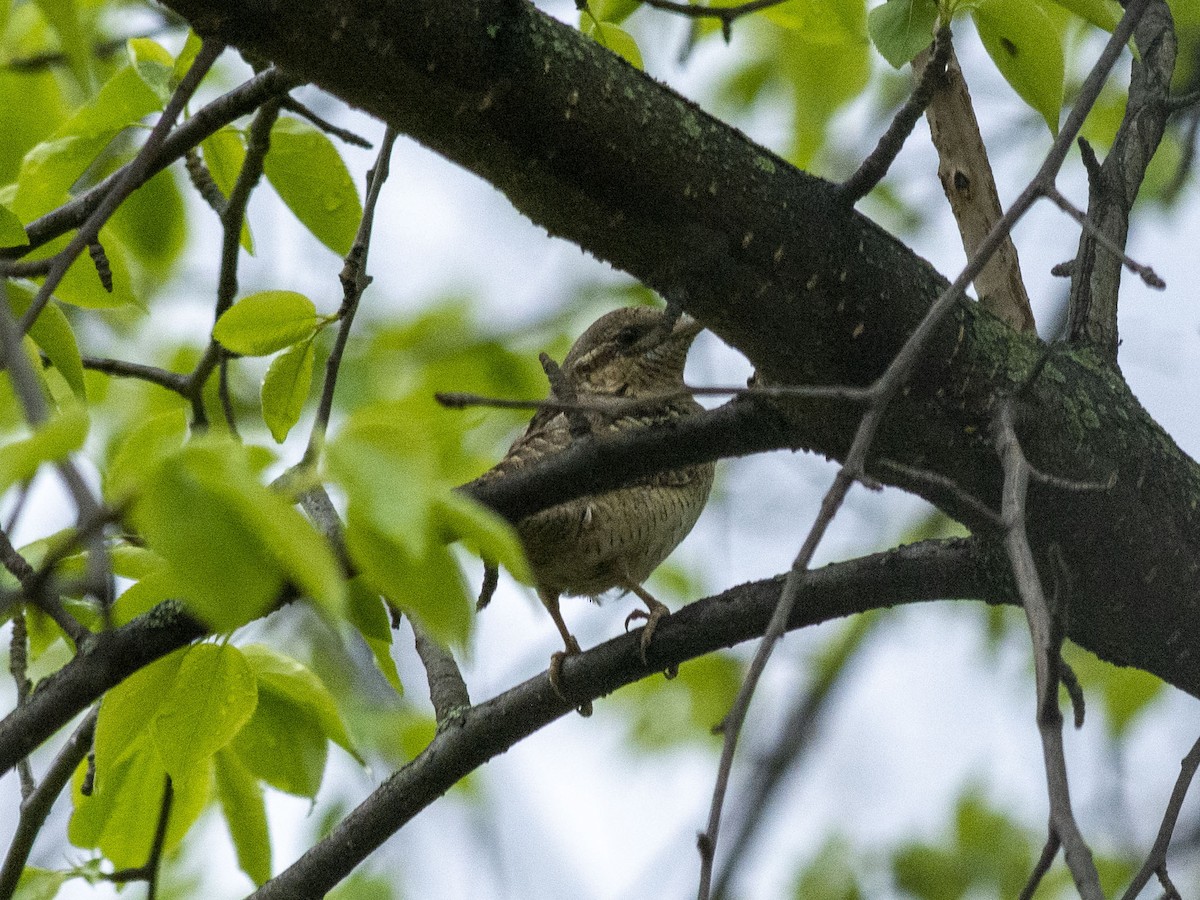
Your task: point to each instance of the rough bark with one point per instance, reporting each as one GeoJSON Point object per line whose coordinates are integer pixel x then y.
{"type": "Point", "coordinates": [766, 257]}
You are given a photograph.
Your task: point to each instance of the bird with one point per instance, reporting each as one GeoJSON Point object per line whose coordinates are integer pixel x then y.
{"type": "Point", "coordinates": [614, 539]}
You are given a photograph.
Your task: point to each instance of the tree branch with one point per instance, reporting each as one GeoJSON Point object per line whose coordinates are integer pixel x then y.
{"type": "Point", "coordinates": [958, 568]}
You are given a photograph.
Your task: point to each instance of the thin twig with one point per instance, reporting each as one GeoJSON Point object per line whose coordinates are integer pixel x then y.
{"type": "Point", "coordinates": [631, 405]}
{"type": "Point", "coordinates": [885, 389]}
{"type": "Point", "coordinates": [354, 280]}
{"type": "Point", "coordinates": [1046, 650]}
{"type": "Point", "coordinates": [726, 14]}
{"type": "Point", "coordinates": [1146, 273]}
{"type": "Point", "coordinates": [879, 161]}
{"type": "Point", "coordinates": [164, 378]}
{"type": "Point", "coordinates": [447, 690]}
{"type": "Point", "coordinates": [18, 667]}
{"type": "Point", "coordinates": [1157, 857]}
{"type": "Point", "coordinates": [36, 807]}
{"type": "Point", "coordinates": [132, 176]}
{"type": "Point", "coordinates": [1042, 866]}
{"type": "Point", "coordinates": [233, 217]}
{"type": "Point", "coordinates": [293, 105]}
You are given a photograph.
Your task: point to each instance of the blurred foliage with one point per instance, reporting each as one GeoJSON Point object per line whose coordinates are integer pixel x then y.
{"type": "Point", "coordinates": [988, 854]}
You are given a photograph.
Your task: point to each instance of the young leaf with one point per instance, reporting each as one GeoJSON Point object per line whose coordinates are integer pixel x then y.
{"type": "Point", "coordinates": [265, 322]}
{"type": "Point", "coordinates": [12, 232]}
{"type": "Point", "coordinates": [615, 11]}
{"type": "Point", "coordinates": [241, 799]}
{"type": "Point", "coordinates": [52, 333]}
{"type": "Point", "coordinates": [299, 685]}
{"type": "Point", "coordinates": [153, 64]}
{"type": "Point", "coordinates": [128, 710]}
{"type": "Point", "coordinates": [900, 29]}
{"type": "Point", "coordinates": [141, 450]}
{"type": "Point", "coordinates": [121, 814]}
{"type": "Point", "coordinates": [616, 39]}
{"type": "Point", "coordinates": [213, 695]}
{"type": "Point", "coordinates": [366, 611]}
{"type": "Point", "coordinates": [63, 16]}
{"type": "Point", "coordinates": [285, 389]}
{"type": "Point", "coordinates": [1027, 47]}
{"type": "Point", "coordinates": [231, 541]}
{"type": "Point", "coordinates": [51, 441]}
{"type": "Point", "coordinates": [1101, 13]}
{"type": "Point", "coordinates": [483, 533]}
{"type": "Point", "coordinates": [283, 745]}
{"type": "Point", "coordinates": [223, 152]}
{"type": "Point", "coordinates": [50, 168]}
{"type": "Point", "coordinates": [429, 586]}
{"type": "Point", "coordinates": [308, 173]}
{"type": "Point", "coordinates": [224, 570]}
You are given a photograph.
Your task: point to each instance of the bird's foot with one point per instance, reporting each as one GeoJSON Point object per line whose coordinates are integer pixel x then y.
{"type": "Point", "coordinates": [556, 661]}
{"type": "Point", "coordinates": [658, 611]}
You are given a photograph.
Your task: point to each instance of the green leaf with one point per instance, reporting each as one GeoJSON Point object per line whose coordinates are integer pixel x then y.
{"type": "Point", "coordinates": [664, 714]}
{"type": "Point", "coordinates": [283, 744]}
{"type": "Point", "coordinates": [900, 29]}
{"type": "Point", "coordinates": [615, 11]}
{"type": "Point", "coordinates": [616, 39]}
{"type": "Point", "coordinates": [241, 799]}
{"type": "Point", "coordinates": [266, 322]}
{"type": "Point", "coordinates": [483, 533]}
{"type": "Point", "coordinates": [299, 685]}
{"type": "Point", "coordinates": [285, 389]}
{"type": "Point", "coordinates": [823, 77]}
{"type": "Point", "coordinates": [53, 166]}
{"type": "Point", "coordinates": [121, 814]}
{"type": "Point", "coordinates": [308, 173]}
{"type": "Point", "coordinates": [12, 232]}
{"type": "Point", "coordinates": [830, 875]}
{"type": "Point", "coordinates": [819, 21]}
{"type": "Point", "coordinates": [1124, 692]}
{"type": "Point", "coordinates": [428, 586]}
{"type": "Point", "coordinates": [1027, 47]}
{"type": "Point", "coordinates": [39, 884]}
{"type": "Point", "coordinates": [367, 612]}
{"type": "Point", "coordinates": [128, 710]}
{"type": "Point", "coordinates": [51, 441]}
{"type": "Point", "coordinates": [152, 226]}
{"type": "Point", "coordinates": [1101, 13]}
{"type": "Point", "coordinates": [140, 452]}
{"type": "Point", "coordinates": [63, 16]}
{"type": "Point", "coordinates": [213, 695]}
{"type": "Point", "coordinates": [187, 56]}
{"type": "Point", "coordinates": [231, 541]}
{"type": "Point", "coordinates": [52, 333]}
{"type": "Point", "coordinates": [153, 64]}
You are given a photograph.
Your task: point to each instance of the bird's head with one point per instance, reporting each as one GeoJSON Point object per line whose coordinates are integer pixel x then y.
{"type": "Point", "coordinates": [630, 352]}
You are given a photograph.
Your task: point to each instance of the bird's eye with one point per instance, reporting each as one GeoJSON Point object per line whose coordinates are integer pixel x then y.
{"type": "Point", "coordinates": [628, 336]}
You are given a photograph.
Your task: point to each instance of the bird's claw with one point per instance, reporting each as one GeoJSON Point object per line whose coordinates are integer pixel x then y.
{"type": "Point", "coordinates": [652, 618]}
{"type": "Point", "coordinates": [556, 661]}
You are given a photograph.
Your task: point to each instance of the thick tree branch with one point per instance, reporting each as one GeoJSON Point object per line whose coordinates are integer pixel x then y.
{"type": "Point", "coordinates": [1092, 316]}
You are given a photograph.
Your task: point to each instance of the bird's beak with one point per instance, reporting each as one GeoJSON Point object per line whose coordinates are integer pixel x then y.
{"type": "Point", "coordinates": [686, 327]}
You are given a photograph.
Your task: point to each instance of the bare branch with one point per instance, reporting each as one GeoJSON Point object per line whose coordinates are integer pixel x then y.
{"type": "Point", "coordinates": [354, 282]}
{"type": "Point", "coordinates": [1047, 642]}
{"type": "Point", "coordinates": [1095, 288]}
{"type": "Point", "coordinates": [1156, 860]}
{"type": "Point", "coordinates": [947, 568]}
{"type": "Point", "coordinates": [36, 807]}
